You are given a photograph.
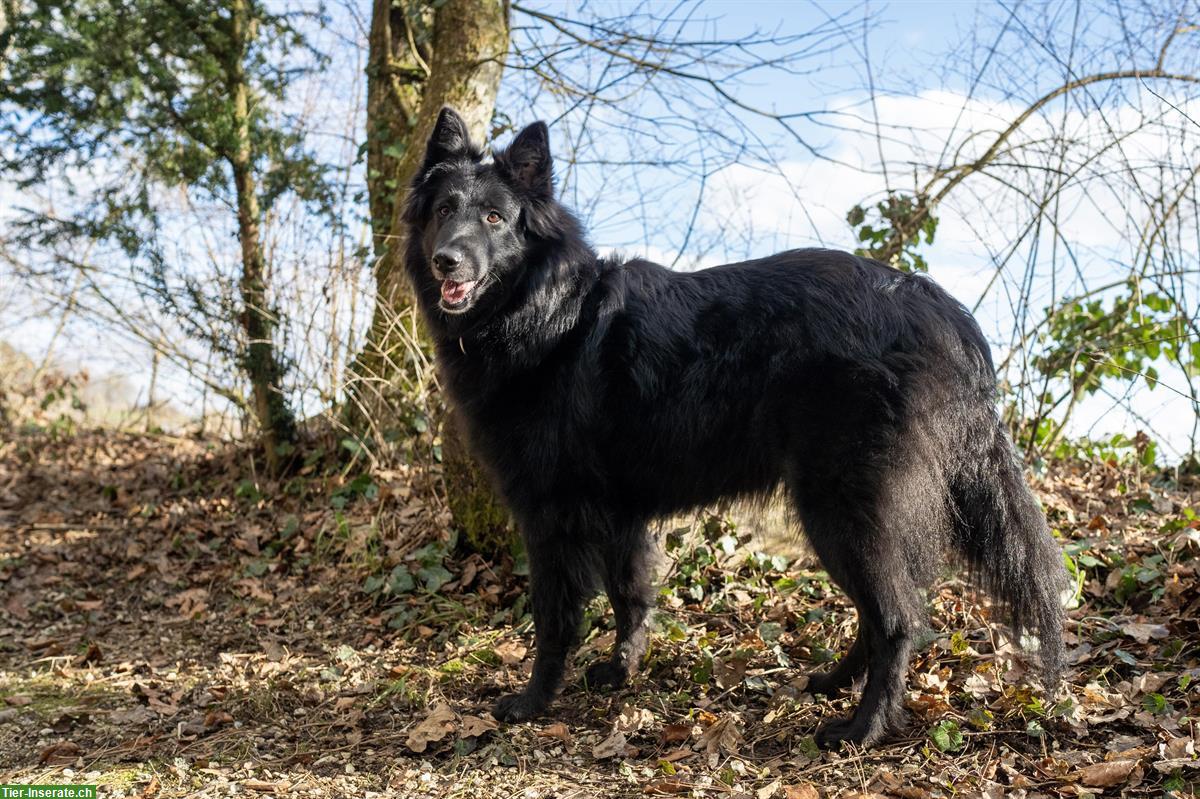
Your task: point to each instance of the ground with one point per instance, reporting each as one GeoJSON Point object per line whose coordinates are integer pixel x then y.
{"type": "Point", "coordinates": [173, 625]}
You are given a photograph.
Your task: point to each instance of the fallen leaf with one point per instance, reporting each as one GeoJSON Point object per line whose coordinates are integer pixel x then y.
{"type": "Point", "coordinates": [134, 716]}
{"type": "Point", "coordinates": [1177, 748]}
{"type": "Point", "coordinates": [1142, 633]}
{"type": "Point", "coordinates": [60, 754]}
{"type": "Point", "coordinates": [729, 673]}
{"type": "Point", "coordinates": [768, 791]}
{"type": "Point", "coordinates": [90, 657]}
{"type": "Point", "coordinates": [1150, 682]}
{"type": "Point", "coordinates": [675, 733]}
{"type": "Point", "coordinates": [474, 726]}
{"type": "Point", "coordinates": [1108, 773]}
{"type": "Point", "coordinates": [254, 589]}
{"type": "Point", "coordinates": [633, 719]}
{"type": "Point", "coordinates": [190, 603]}
{"type": "Point", "coordinates": [217, 718]}
{"type": "Point", "coordinates": [676, 755]}
{"type": "Point", "coordinates": [556, 730]}
{"type": "Point", "coordinates": [510, 652]}
{"type": "Point", "coordinates": [722, 737]}
{"type": "Point", "coordinates": [152, 788]}
{"type": "Point", "coordinates": [439, 723]}
{"type": "Point", "coordinates": [18, 700]}
{"type": "Point", "coordinates": [805, 790]}
{"type": "Point", "coordinates": [612, 746]}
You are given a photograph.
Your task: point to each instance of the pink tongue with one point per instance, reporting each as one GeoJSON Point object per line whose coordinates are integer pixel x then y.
{"type": "Point", "coordinates": [454, 292]}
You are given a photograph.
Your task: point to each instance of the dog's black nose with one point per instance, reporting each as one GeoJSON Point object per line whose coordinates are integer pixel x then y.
{"type": "Point", "coordinates": [447, 258]}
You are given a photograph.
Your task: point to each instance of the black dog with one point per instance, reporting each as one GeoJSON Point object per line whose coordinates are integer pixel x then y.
{"type": "Point", "coordinates": [600, 394]}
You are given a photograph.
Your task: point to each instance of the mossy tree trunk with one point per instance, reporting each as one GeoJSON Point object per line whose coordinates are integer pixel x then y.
{"type": "Point", "coordinates": [422, 57]}
{"type": "Point", "coordinates": [261, 360]}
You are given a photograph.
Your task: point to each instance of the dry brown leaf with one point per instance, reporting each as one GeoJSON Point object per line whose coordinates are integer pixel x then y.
{"type": "Point", "coordinates": [556, 730]}
{"type": "Point", "coordinates": [1143, 633]}
{"type": "Point", "coordinates": [217, 718]}
{"type": "Point", "coordinates": [729, 672]}
{"type": "Point", "coordinates": [90, 657]}
{"type": "Point", "coordinates": [1108, 773]}
{"type": "Point", "coordinates": [722, 737]}
{"type": "Point", "coordinates": [676, 755]}
{"type": "Point", "coordinates": [668, 786]}
{"type": "Point", "coordinates": [439, 723]}
{"type": "Point", "coordinates": [1150, 682]}
{"type": "Point", "coordinates": [152, 788]}
{"type": "Point", "coordinates": [60, 754]}
{"type": "Point", "coordinates": [805, 790]}
{"type": "Point", "coordinates": [910, 792]}
{"type": "Point", "coordinates": [17, 700]}
{"type": "Point", "coordinates": [191, 603]}
{"type": "Point", "coordinates": [474, 726]}
{"type": "Point", "coordinates": [769, 791]}
{"type": "Point", "coordinates": [254, 589]}
{"type": "Point", "coordinates": [675, 733]}
{"type": "Point", "coordinates": [614, 745]}
{"type": "Point", "coordinates": [633, 719]}
{"type": "Point", "coordinates": [1177, 748]}
{"type": "Point", "coordinates": [510, 652]}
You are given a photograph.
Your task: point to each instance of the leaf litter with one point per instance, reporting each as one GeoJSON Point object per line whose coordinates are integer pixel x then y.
{"type": "Point", "coordinates": [168, 631]}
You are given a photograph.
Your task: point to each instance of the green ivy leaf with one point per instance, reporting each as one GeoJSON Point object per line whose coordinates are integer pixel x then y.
{"type": "Point", "coordinates": [946, 736]}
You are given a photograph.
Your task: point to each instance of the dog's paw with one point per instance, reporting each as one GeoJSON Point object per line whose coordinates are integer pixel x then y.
{"type": "Point", "coordinates": [854, 730]}
{"type": "Point", "coordinates": [605, 674]}
{"type": "Point", "coordinates": [517, 707]}
{"type": "Point", "coordinates": [820, 683]}
{"type": "Point", "coordinates": [834, 733]}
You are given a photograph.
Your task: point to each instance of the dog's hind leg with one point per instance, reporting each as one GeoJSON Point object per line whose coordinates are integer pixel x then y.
{"type": "Point", "coordinates": [869, 563]}
{"type": "Point", "coordinates": [846, 670]}
{"type": "Point", "coordinates": [628, 583]}
{"type": "Point", "coordinates": [559, 581]}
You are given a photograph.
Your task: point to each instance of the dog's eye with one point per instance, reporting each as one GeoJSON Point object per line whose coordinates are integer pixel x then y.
{"type": "Point", "coordinates": [444, 211]}
{"type": "Point", "coordinates": [493, 217]}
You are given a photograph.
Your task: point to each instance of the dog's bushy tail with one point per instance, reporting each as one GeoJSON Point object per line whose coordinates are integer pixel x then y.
{"type": "Point", "coordinates": [1002, 534]}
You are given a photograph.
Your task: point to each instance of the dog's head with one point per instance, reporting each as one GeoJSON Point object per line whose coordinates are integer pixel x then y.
{"type": "Point", "coordinates": [474, 222]}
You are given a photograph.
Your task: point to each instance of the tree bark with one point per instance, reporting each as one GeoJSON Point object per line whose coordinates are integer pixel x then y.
{"type": "Point", "coordinates": [261, 361]}
{"type": "Point", "coordinates": [413, 71]}
{"type": "Point", "coordinates": [421, 60]}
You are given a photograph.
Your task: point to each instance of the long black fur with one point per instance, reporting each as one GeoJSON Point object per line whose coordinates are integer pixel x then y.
{"type": "Point", "coordinates": [602, 393]}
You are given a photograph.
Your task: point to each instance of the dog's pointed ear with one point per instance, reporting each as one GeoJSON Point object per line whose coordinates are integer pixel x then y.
{"type": "Point", "coordinates": [449, 139]}
{"type": "Point", "coordinates": [527, 161]}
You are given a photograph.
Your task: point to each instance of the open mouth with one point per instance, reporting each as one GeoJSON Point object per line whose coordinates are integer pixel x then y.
{"type": "Point", "coordinates": [456, 294]}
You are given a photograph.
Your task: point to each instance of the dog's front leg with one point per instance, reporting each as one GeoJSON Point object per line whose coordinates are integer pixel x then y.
{"type": "Point", "coordinates": [558, 581]}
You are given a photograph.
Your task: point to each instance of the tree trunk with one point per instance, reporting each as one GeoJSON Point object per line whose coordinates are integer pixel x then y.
{"type": "Point", "coordinates": [260, 361]}
{"type": "Point", "coordinates": [421, 60]}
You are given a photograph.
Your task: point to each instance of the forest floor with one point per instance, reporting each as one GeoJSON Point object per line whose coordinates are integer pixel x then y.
{"type": "Point", "coordinates": [171, 627]}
